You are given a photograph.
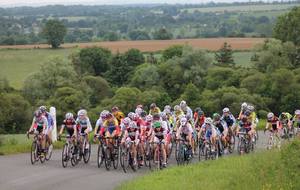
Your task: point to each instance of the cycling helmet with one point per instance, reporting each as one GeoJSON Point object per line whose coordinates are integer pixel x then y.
{"type": "Point", "coordinates": [216, 117]}
{"type": "Point", "coordinates": [115, 108]}
{"type": "Point", "coordinates": [183, 121]}
{"type": "Point", "coordinates": [163, 115]}
{"type": "Point", "coordinates": [135, 117]}
{"type": "Point", "coordinates": [284, 115]}
{"type": "Point", "coordinates": [157, 124]}
{"type": "Point", "coordinates": [69, 116]}
{"type": "Point", "coordinates": [197, 109]}
{"type": "Point", "coordinates": [250, 108]}
{"type": "Point", "coordinates": [37, 113]}
{"type": "Point", "coordinates": [43, 109]}
{"type": "Point", "coordinates": [297, 112]}
{"type": "Point", "coordinates": [208, 120]}
{"type": "Point", "coordinates": [149, 118]}
{"type": "Point", "coordinates": [103, 114]}
{"type": "Point", "coordinates": [200, 113]}
{"type": "Point", "coordinates": [131, 115]}
{"type": "Point", "coordinates": [167, 107]}
{"type": "Point", "coordinates": [152, 106]}
{"type": "Point", "coordinates": [138, 111]}
{"type": "Point", "coordinates": [244, 105]}
{"type": "Point", "coordinates": [126, 121]}
{"type": "Point", "coordinates": [226, 110]}
{"type": "Point", "coordinates": [109, 116]}
{"type": "Point", "coordinates": [270, 115]}
{"type": "Point", "coordinates": [183, 104]}
{"type": "Point", "coordinates": [82, 112]}
{"type": "Point", "coordinates": [177, 108]}
{"type": "Point", "coordinates": [156, 117]}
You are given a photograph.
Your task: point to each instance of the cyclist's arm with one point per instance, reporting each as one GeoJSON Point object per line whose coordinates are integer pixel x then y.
{"type": "Point", "coordinates": [62, 129]}
{"type": "Point", "coordinates": [32, 124]}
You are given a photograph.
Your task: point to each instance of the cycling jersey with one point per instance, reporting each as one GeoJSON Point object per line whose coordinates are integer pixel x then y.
{"type": "Point", "coordinates": [273, 123]}
{"type": "Point", "coordinates": [229, 119]}
{"type": "Point", "coordinates": [69, 124]}
{"type": "Point", "coordinates": [221, 126]}
{"type": "Point", "coordinates": [119, 116]}
{"type": "Point", "coordinates": [154, 111]}
{"type": "Point", "coordinates": [39, 123]}
{"type": "Point", "coordinates": [83, 124]}
{"type": "Point", "coordinates": [111, 126]}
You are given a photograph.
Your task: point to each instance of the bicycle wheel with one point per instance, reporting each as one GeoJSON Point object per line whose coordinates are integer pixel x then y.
{"type": "Point", "coordinates": [87, 154]}
{"type": "Point", "coordinates": [201, 151]}
{"type": "Point", "coordinates": [123, 159]}
{"type": "Point", "coordinates": [231, 144]}
{"type": "Point", "coordinates": [158, 159]}
{"type": "Point", "coordinates": [206, 152]}
{"type": "Point", "coordinates": [99, 156]}
{"type": "Point", "coordinates": [49, 152]}
{"type": "Point", "coordinates": [116, 157]}
{"type": "Point", "coordinates": [33, 155]}
{"type": "Point", "coordinates": [74, 154]}
{"type": "Point", "coordinates": [131, 162]}
{"type": "Point", "coordinates": [148, 156]}
{"type": "Point", "coordinates": [180, 154]}
{"type": "Point", "coordinates": [64, 156]}
{"type": "Point", "coordinates": [107, 159]}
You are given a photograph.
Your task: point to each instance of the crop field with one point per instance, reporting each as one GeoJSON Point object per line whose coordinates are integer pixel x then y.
{"type": "Point", "coordinates": [157, 45]}
{"type": "Point", "coordinates": [243, 8]}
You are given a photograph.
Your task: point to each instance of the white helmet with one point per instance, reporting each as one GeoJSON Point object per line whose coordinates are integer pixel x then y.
{"type": "Point", "coordinates": [82, 112]}
{"type": "Point", "coordinates": [69, 116]}
{"type": "Point", "coordinates": [270, 115]}
{"type": "Point", "coordinates": [183, 104]}
{"type": "Point", "coordinates": [149, 118]}
{"type": "Point", "coordinates": [226, 110]}
{"type": "Point", "coordinates": [104, 113]}
{"type": "Point", "coordinates": [131, 115]}
{"type": "Point", "coordinates": [208, 120]}
{"type": "Point", "coordinates": [167, 107]}
{"type": "Point", "coordinates": [250, 108]}
{"type": "Point", "coordinates": [126, 121]}
{"type": "Point", "coordinates": [138, 111]}
{"type": "Point", "coordinates": [183, 121]}
{"type": "Point", "coordinates": [244, 105]}
{"type": "Point", "coordinates": [177, 108]}
{"type": "Point", "coordinates": [297, 112]}
{"type": "Point", "coordinates": [163, 115]}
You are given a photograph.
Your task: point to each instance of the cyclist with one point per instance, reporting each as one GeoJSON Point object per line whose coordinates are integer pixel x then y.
{"type": "Point", "coordinates": [83, 125]}
{"type": "Point", "coordinates": [221, 125]}
{"type": "Point", "coordinates": [285, 121]}
{"type": "Point", "coordinates": [210, 133]}
{"type": "Point", "coordinates": [49, 128]}
{"type": "Point", "coordinates": [154, 109]}
{"type": "Point", "coordinates": [187, 111]}
{"type": "Point", "coordinates": [158, 137]}
{"type": "Point", "coordinates": [272, 123]}
{"type": "Point", "coordinates": [243, 109]}
{"type": "Point", "coordinates": [131, 138]}
{"type": "Point", "coordinates": [99, 123]}
{"type": "Point", "coordinates": [230, 121]}
{"type": "Point", "coordinates": [199, 121]}
{"type": "Point", "coordinates": [296, 120]}
{"type": "Point", "coordinates": [70, 124]}
{"type": "Point", "coordinates": [118, 114]}
{"type": "Point", "coordinates": [178, 113]}
{"type": "Point", "coordinates": [39, 124]}
{"type": "Point", "coordinates": [185, 131]}
{"type": "Point", "coordinates": [166, 124]}
{"type": "Point", "coordinates": [110, 127]}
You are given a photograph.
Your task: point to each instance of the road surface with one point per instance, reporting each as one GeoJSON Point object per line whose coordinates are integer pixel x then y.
{"type": "Point", "coordinates": [17, 173]}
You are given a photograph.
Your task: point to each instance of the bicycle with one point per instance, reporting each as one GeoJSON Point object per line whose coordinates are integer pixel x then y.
{"type": "Point", "coordinates": [183, 151]}
{"type": "Point", "coordinates": [69, 152]}
{"type": "Point", "coordinates": [245, 143]}
{"type": "Point", "coordinates": [127, 157]}
{"type": "Point", "coordinates": [158, 154]}
{"type": "Point", "coordinates": [84, 152]}
{"type": "Point", "coordinates": [209, 153]}
{"type": "Point", "coordinates": [37, 153]}
{"type": "Point", "coordinates": [111, 152]}
{"type": "Point", "coordinates": [272, 142]}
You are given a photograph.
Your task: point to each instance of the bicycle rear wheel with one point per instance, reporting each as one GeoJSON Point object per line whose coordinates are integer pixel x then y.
{"type": "Point", "coordinates": [49, 152]}
{"type": "Point", "coordinates": [123, 159]}
{"type": "Point", "coordinates": [116, 158]}
{"type": "Point", "coordinates": [99, 156]}
{"type": "Point", "coordinates": [107, 159]}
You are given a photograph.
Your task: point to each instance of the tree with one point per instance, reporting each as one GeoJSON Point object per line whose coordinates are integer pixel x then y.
{"type": "Point", "coordinates": [139, 35]}
{"type": "Point", "coordinates": [224, 55]}
{"type": "Point", "coordinates": [54, 31]}
{"type": "Point", "coordinates": [172, 51]}
{"type": "Point", "coordinates": [287, 27]}
{"type": "Point", "coordinates": [52, 75]}
{"type": "Point", "coordinates": [98, 89]}
{"type": "Point", "coordinates": [162, 34]}
{"type": "Point", "coordinates": [94, 60]}
{"type": "Point", "coordinates": [145, 76]}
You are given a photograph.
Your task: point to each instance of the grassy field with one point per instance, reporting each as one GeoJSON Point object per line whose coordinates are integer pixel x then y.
{"type": "Point", "coordinates": [264, 170]}
{"type": "Point", "coordinates": [243, 8]}
{"type": "Point", "coordinates": [16, 65]}
{"type": "Point", "coordinates": [18, 143]}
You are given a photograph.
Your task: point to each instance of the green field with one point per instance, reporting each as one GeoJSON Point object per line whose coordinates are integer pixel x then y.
{"type": "Point", "coordinates": [243, 8]}
{"type": "Point", "coordinates": [263, 170]}
{"type": "Point", "coordinates": [16, 65]}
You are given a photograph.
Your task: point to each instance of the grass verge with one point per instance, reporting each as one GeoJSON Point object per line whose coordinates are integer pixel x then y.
{"type": "Point", "coordinates": [18, 143]}
{"type": "Point", "coordinates": [265, 170]}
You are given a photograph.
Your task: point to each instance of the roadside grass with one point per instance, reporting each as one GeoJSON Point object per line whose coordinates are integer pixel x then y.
{"type": "Point", "coordinates": [16, 65]}
{"type": "Point", "coordinates": [263, 170]}
{"type": "Point", "coordinates": [18, 143]}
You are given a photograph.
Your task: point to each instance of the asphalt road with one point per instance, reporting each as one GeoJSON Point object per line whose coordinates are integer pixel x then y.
{"type": "Point", "coordinates": [17, 173]}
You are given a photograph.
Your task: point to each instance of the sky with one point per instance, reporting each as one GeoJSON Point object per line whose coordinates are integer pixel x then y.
{"type": "Point", "coordinates": [14, 3]}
